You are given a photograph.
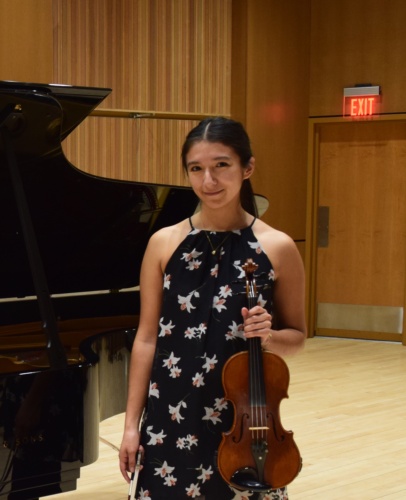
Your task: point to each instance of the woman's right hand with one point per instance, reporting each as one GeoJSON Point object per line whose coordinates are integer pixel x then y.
{"type": "Point", "coordinates": [129, 448]}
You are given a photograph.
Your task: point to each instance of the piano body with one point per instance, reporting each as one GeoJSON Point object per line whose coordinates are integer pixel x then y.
{"type": "Point", "coordinates": [71, 247]}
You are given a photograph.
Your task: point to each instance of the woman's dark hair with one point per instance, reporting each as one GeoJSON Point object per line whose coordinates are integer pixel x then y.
{"type": "Point", "coordinates": [232, 134]}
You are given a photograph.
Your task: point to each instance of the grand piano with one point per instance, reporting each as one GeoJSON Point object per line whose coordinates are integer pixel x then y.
{"type": "Point", "coordinates": [71, 246]}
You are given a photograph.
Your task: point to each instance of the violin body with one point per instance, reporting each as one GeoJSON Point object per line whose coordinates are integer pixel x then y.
{"type": "Point", "coordinates": [257, 455]}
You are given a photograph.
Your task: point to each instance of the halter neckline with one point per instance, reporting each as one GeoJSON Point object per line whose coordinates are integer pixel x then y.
{"type": "Point", "coordinates": [228, 231]}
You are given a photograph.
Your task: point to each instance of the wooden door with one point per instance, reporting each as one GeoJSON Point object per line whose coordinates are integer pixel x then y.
{"type": "Point", "coordinates": [361, 241]}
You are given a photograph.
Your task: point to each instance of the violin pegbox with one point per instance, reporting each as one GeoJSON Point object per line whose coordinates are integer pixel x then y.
{"type": "Point", "coordinates": [249, 268]}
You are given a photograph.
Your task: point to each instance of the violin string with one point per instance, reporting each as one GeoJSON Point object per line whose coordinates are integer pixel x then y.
{"type": "Point", "coordinates": [254, 424]}
{"type": "Point", "coordinates": [262, 390]}
{"type": "Point", "coordinates": [258, 395]}
{"type": "Point", "coordinates": [257, 384]}
{"type": "Point", "coordinates": [253, 392]}
{"type": "Point", "coordinates": [259, 389]}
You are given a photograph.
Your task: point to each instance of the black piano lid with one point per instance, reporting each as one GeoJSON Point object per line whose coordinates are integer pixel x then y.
{"type": "Point", "coordinates": [76, 102]}
{"type": "Point", "coordinates": [92, 232]}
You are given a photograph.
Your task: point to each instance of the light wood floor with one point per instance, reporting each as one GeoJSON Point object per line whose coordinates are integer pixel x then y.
{"type": "Point", "coordinates": [347, 408]}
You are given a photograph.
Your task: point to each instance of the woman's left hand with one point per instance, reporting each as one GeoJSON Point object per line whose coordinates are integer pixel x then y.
{"type": "Point", "coordinates": [257, 323]}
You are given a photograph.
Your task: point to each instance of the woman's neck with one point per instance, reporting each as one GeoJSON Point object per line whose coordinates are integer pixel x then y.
{"type": "Point", "coordinates": [214, 221]}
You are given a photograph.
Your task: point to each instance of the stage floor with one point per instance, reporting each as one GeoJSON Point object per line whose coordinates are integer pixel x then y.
{"type": "Point", "coordinates": [347, 409]}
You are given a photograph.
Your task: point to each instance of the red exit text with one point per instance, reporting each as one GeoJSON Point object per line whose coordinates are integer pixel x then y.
{"type": "Point", "coordinates": [362, 106]}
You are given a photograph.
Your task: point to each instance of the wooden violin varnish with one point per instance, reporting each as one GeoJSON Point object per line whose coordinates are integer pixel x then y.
{"type": "Point", "coordinates": [257, 454]}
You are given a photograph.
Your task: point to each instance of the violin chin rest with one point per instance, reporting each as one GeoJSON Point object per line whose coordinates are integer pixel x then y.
{"type": "Point", "coordinates": [247, 479]}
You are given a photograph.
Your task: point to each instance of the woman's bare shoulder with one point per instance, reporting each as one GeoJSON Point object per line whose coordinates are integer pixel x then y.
{"type": "Point", "coordinates": [165, 241]}
{"type": "Point", "coordinates": [177, 231]}
{"type": "Point", "coordinates": [278, 245]}
{"type": "Point", "coordinates": [271, 236]}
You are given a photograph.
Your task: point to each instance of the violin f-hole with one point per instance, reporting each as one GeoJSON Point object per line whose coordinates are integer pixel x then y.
{"type": "Point", "coordinates": [237, 439]}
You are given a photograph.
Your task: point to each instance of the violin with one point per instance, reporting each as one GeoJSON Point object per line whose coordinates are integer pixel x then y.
{"type": "Point", "coordinates": [257, 454]}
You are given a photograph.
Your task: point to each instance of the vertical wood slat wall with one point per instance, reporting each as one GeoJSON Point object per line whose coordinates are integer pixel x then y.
{"type": "Point", "coordinates": [154, 55]}
{"type": "Point", "coordinates": [277, 75]}
{"type": "Point", "coordinates": [140, 150]}
{"type": "Point", "coordinates": [26, 40]}
{"type": "Point", "coordinates": [355, 42]}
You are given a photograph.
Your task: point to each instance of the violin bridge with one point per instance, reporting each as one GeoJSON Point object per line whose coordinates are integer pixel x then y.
{"type": "Point", "coordinates": [258, 428]}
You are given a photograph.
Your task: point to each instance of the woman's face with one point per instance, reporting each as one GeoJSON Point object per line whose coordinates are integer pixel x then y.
{"type": "Point", "coordinates": [215, 173]}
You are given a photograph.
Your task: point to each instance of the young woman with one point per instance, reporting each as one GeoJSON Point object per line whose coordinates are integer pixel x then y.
{"type": "Point", "coordinates": [194, 317]}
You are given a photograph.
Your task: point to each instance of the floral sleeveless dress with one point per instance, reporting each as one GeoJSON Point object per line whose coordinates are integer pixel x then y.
{"type": "Point", "coordinates": [199, 329]}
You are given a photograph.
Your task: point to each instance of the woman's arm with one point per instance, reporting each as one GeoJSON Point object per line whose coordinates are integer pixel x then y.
{"type": "Point", "coordinates": [142, 354]}
{"type": "Point", "coordinates": [285, 332]}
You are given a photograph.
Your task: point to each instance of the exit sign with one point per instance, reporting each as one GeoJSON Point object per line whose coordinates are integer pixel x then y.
{"type": "Point", "coordinates": [361, 101]}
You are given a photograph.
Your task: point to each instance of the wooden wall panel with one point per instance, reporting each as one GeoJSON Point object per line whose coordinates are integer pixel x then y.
{"type": "Point", "coordinates": [156, 55]}
{"type": "Point", "coordinates": [357, 41]}
{"type": "Point", "coordinates": [278, 41]}
{"type": "Point", "coordinates": [26, 40]}
{"type": "Point", "coordinates": [139, 150]}
{"type": "Point", "coordinates": [239, 60]}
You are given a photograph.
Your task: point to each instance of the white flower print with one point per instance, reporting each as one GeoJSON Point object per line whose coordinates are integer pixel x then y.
{"type": "Point", "coordinates": [191, 256]}
{"type": "Point", "coordinates": [155, 438]}
{"type": "Point", "coordinates": [279, 494]}
{"type": "Point", "coordinates": [193, 264]}
{"type": "Point", "coordinates": [219, 304]}
{"type": "Point", "coordinates": [261, 301]}
{"type": "Point", "coordinates": [241, 495]}
{"type": "Point", "coordinates": [175, 372]}
{"type": "Point", "coordinates": [193, 490]}
{"type": "Point", "coordinates": [206, 473]}
{"type": "Point", "coordinates": [212, 415]}
{"type": "Point", "coordinates": [256, 246]}
{"type": "Point", "coordinates": [214, 271]}
{"type": "Point", "coordinates": [144, 495]}
{"type": "Point", "coordinates": [170, 480]}
{"type": "Point", "coordinates": [153, 390]}
{"type": "Point", "coordinates": [209, 364]}
{"type": "Point", "coordinates": [190, 333]}
{"type": "Point", "coordinates": [180, 443]}
{"type": "Point", "coordinates": [186, 302]}
{"type": "Point", "coordinates": [164, 470]}
{"type": "Point", "coordinates": [220, 404]}
{"type": "Point", "coordinates": [167, 281]}
{"type": "Point", "coordinates": [171, 361]}
{"type": "Point", "coordinates": [192, 440]}
{"type": "Point", "coordinates": [225, 291]}
{"type": "Point", "coordinates": [236, 331]}
{"type": "Point", "coordinates": [198, 380]}
{"type": "Point", "coordinates": [237, 264]}
{"type": "Point", "coordinates": [174, 411]}
{"type": "Point", "coordinates": [165, 329]}
{"type": "Point", "coordinates": [201, 330]}
{"type": "Point", "coordinates": [187, 442]}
